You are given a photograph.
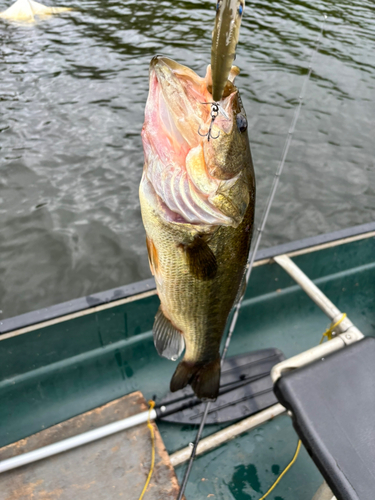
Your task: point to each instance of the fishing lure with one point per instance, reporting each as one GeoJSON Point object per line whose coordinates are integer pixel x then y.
{"type": "Point", "coordinates": [215, 110]}
{"type": "Point", "coordinates": [224, 43]}
{"type": "Point", "coordinates": [223, 52]}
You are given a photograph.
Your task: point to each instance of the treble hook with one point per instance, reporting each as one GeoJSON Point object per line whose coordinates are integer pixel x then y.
{"type": "Point", "coordinates": [214, 113]}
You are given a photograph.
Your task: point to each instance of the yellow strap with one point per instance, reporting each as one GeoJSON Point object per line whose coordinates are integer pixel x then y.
{"type": "Point", "coordinates": [284, 471]}
{"type": "Point", "coordinates": [149, 425]}
{"type": "Point", "coordinates": [330, 330]}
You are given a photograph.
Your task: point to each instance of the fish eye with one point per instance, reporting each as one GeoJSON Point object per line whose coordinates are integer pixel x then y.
{"type": "Point", "coordinates": [241, 122]}
{"type": "Point", "coordinates": [240, 9]}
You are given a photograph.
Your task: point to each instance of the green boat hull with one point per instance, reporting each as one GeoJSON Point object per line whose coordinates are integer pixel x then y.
{"type": "Point", "coordinates": [86, 353]}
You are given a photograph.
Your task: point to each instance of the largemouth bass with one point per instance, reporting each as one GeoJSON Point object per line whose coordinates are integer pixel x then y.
{"type": "Point", "coordinates": [224, 42]}
{"type": "Point", "coordinates": [197, 201]}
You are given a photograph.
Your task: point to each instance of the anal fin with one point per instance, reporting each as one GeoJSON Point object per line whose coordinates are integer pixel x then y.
{"type": "Point", "coordinates": [200, 259]}
{"type": "Point", "coordinates": [169, 341]}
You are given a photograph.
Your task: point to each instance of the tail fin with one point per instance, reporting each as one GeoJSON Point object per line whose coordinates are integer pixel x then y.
{"type": "Point", "coordinates": [203, 378]}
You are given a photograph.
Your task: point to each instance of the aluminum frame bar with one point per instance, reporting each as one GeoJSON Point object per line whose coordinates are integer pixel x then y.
{"type": "Point", "coordinates": [348, 332]}
{"type": "Point", "coordinates": [314, 293]}
{"type": "Point", "coordinates": [218, 438]}
{"type": "Point", "coordinates": [75, 441]}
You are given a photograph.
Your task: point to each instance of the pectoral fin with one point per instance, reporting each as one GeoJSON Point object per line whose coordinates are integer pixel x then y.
{"type": "Point", "coordinates": [200, 259]}
{"type": "Point", "coordinates": [168, 341]}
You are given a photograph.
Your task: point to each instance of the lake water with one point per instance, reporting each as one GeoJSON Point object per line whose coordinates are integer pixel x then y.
{"type": "Point", "coordinates": [72, 96]}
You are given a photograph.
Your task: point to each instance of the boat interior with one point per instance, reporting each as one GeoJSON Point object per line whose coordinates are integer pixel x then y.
{"type": "Point", "coordinates": [70, 359]}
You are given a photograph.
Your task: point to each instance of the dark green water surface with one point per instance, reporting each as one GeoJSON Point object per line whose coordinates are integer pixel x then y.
{"type": "Point", "coordinates": [72, 95]}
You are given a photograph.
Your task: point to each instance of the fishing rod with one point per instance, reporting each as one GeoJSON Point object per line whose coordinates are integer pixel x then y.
{"type": "Point", "coordinates": [254, 249]}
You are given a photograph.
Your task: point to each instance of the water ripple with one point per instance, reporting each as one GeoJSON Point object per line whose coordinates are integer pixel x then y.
{"type": "Point", "coordinates": [72, 102]}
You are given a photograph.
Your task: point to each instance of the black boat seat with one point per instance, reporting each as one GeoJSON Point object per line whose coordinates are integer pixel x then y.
{"type": "Point", "coordinates": [332, 401]}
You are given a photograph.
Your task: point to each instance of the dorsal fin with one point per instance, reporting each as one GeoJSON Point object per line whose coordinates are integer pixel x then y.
{"type": "Point", "coordinates": [200, 258]}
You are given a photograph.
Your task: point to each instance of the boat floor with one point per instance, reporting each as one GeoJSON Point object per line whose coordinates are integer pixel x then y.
{"type": "Point", "coordinates": [116, 466]}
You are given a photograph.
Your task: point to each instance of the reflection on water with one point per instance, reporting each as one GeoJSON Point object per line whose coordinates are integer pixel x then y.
{"type": "Point", "coordinates": [73, 90]}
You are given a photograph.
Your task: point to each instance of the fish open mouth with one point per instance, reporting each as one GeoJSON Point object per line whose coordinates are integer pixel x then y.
{"type": "Point", "coordinates": [174, 150]}
{"type": "Point", "coordinates": [176, 108]}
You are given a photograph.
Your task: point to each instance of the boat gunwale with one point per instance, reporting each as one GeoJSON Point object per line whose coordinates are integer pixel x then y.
{"type": "Point", "coordinates": [75, 308]}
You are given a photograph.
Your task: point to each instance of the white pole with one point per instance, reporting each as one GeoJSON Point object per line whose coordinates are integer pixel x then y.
{"type": "Point", "coordinates": [227, 434]}
{"type": "Point", "coordinates": [75, 441]}
{"type": "Point", "coordinates": [315, 294]}
{"type": "Point", "coordinates": [349, 332]}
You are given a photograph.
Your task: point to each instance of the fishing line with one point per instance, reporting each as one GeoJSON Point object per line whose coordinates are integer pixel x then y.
{"type": "Point", "coordinates": [254, 249]}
